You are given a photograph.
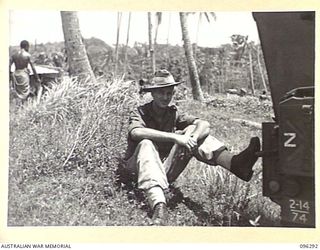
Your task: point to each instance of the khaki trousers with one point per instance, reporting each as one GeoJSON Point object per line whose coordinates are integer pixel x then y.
{"type": "Point", "coordinates": [146, 164]}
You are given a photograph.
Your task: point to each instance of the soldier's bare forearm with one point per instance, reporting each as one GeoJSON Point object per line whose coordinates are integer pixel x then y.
{"type": "Point", "coordinates": [139, 134]}
{"type": "Point", "coordinates": [185, 140]}
{"type": "Point", "coordinates": [202, 129]}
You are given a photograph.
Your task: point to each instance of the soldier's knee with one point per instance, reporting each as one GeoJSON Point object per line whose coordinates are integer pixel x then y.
{"type": "Point", "coordinates": [189, 129]}
{"type": "Point", "coordinates": [146, 143]}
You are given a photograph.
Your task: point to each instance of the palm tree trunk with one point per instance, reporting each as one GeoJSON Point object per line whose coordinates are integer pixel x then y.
{"type": "Point", "coordinates": [126, 48]}
{"type": "Point", "coordinates": [251, 72]}
{"type": "Point", "coordinates": [117, 44]}
{"type": "Point", "coordinates": [151, 48]}
{"type": "Point", "coordinates": [192, 67]}
{"type": "Point", "coordinates": [159, 19]}
{"type": "Point", "coordinates": [168, 34]}
{"type": "Point", "coordinates": [78, 61]}
{"type": "Point", "coordinates": [197, 35]}
{"type": "Point", "coordinates": [260, 69]}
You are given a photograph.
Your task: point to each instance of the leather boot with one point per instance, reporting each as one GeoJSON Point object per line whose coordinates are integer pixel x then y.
{"type": "Point", "coordinates": [242, 163]}
{"type": "Point", "coordinates": [160, 214]}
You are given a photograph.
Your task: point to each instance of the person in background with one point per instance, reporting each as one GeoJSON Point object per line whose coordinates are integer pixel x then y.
{"type": "Point", "coordinates": [20, 77]}
{"type": "Point", "coordinates": [162, 140]}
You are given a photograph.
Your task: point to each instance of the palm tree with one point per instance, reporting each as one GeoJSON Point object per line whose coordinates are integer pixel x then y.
{"type": "Point", "coordinates": [192, 67]}
{"type": "Point", "coordinates": [167, 57]}
{"type": "Point", "coordinates": [151, 48]}
{"type": "Point", "coordinates": [126, 48]}
{"type": "Point", "coordinates": [77, 56]}
{"type": "Point", "coordinates": [240, 44]}
{"type": "Point", "coordinates": [117, 43]}
{"type": "Point", "coordinates": [158, 19]}
{"type": "Point", "coordinates": [260, 69]}
{"type": "Point", "coordinates": [251, 72]}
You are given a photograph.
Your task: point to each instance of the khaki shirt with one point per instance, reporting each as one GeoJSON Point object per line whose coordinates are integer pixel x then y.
{"type": "Point", "coordinates": [144, 117]}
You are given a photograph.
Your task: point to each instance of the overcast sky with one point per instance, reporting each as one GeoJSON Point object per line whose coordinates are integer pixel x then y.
{"type": "Point", "coordinates": [45, 26]}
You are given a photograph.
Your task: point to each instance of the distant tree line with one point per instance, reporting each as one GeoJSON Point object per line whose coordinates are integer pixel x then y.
{"type": "Point", "coordinates": [238, 64]}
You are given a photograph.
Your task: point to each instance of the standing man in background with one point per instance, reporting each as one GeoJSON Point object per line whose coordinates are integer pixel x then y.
{"type": "Point", "coordinates": [20, 77]}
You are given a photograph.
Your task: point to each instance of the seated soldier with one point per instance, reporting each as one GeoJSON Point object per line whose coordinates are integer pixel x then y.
{"type": "Point", "coordinates": [161, 142]}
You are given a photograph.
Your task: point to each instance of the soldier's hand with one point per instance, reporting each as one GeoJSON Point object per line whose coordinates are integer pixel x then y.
{"type": "Point", "coordinates": [186, 141]}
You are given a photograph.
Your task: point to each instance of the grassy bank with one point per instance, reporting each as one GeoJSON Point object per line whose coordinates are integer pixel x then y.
{"type": "Point", "coordinates": [65, 151]}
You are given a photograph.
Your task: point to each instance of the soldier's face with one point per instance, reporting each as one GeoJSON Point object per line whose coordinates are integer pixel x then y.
{"type": "Point", "coordinates": [162, 96]}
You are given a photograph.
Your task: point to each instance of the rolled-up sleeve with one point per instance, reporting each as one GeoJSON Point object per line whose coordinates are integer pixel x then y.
{"type": "Point", "coordinates": [135, 121]}
{"type": "Point", "coordinates": [184, 120]}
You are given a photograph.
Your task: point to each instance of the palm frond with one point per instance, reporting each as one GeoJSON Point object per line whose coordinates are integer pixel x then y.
{"type": "Point", "coordinates": [210, 15]}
